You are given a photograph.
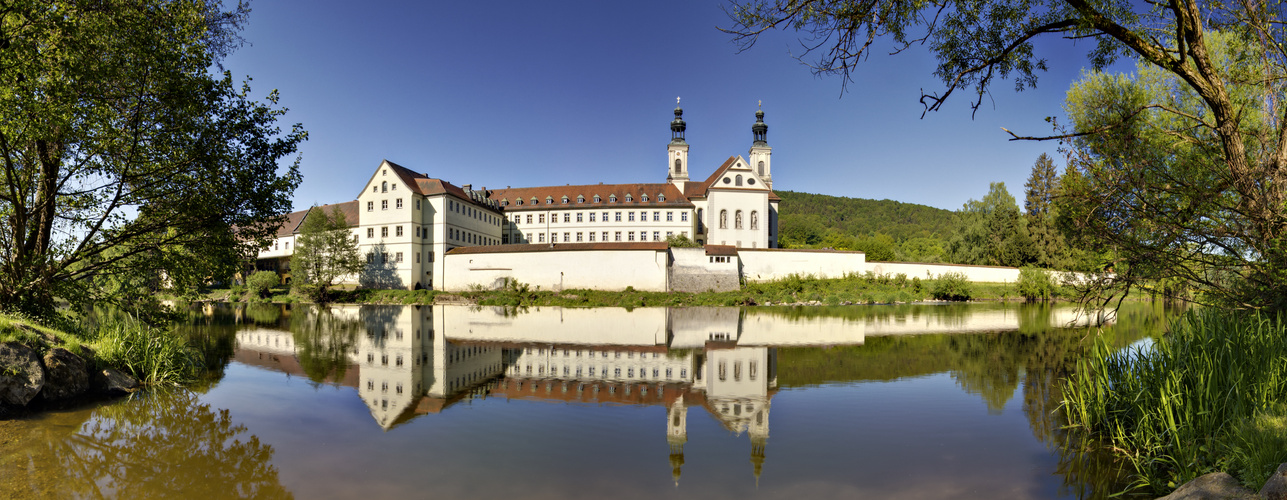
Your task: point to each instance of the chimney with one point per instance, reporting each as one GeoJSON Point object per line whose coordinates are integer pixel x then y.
{"type": "Point", "coordinates": [467, 187]}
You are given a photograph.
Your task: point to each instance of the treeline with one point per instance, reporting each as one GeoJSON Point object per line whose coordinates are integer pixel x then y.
{"type": "Point", "coordinates": [993, 230]}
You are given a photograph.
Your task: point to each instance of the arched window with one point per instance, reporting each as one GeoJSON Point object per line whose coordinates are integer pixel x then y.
{"type": "Point", "coordinates": [679, 165]}
{"type": "Point", "coordinates": [384, 187]}
{"type": "Point", "coordinates": [755, 219]}
{"type": "Point", "coordinates": [761, 169]}
{"type": "Point", "coordinates": [723, 219]}
{"type": "Point", "coordinates": [737, 220]}
{"type": "Point", "coordinates": [738, 180]}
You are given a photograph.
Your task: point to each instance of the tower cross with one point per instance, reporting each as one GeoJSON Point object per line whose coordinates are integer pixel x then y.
{"type": "Point", "coordinates": [676, 101]}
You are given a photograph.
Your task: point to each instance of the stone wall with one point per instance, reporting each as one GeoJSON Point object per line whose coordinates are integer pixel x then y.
{"type": "Point", "coordinates": [604, 266]}
{"type": "Point", "coordinates": [769, 264]}
{"type": "Point", "coordinates": [692, 270]}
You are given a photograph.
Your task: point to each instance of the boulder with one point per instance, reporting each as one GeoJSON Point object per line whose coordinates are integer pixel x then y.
{"type": "Point", "coordinates": [114, 382]}
{"type": "Point", "coordinates": [21, 377]}
{"type": "Point", "coordinates": [1213, 486]}
{"type": "Point", "coordinates": [66, 375]}
{"type": "Point", "coordinates": [1276, 487]}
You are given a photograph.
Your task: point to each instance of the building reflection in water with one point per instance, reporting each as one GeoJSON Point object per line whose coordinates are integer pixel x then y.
{"type": "Point", "coordinates": [408, 361]}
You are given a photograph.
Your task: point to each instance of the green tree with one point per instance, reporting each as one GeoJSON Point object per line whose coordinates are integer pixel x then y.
{"type": "Point", "coordinates": [1156, 188]}
{"type": "Point", "coordinates": [1048, 241]}
{"type": "Point", "coordinates": [325, 251]}
{"type": "Point", "coordinates": [123, 155]}
{"type": "Point", "coordinates": [1217, 105]}
{"type": "Point", "coordinates": [992, 232]}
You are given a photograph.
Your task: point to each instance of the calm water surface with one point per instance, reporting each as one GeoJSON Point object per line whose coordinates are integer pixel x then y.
{"type": "Point", "coordinates": [917, 401]}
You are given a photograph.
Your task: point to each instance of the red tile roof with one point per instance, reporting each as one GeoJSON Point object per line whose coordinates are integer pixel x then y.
{"type": "Point", "coordinates": [721, 250]}
{"type": "Point", "coordinates": [510, 196]}
{"type": "Point", "coordinates": [295, 219]}
{"type": "Point", "coordinates": [554, 247]}
{"type": "Point", "coordinates": [427, 186]}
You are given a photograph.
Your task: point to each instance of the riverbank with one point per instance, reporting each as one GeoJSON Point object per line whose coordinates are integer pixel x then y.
{"type": "Point", "coordinates": [41, 366]}
{"type": "Point", "coordinates": [855, 289]}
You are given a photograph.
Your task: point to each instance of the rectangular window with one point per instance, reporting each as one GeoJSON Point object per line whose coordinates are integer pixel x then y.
{"type": "Point", "coordinates": [618, 219]}
{"type": "Point", "coordinates": [529, 218]}
{"type": "Point", "coordinates": [591, 235]}
{"type": "Point", "coordinates": [370, 206]}
{"type": "Point", "coordinates": [567, 217]}
{"type": "Point", "coordinates": [656, 235]}
{"type": "Point", "coordinates": [630, 216]}
{"type": "Point", "coordinates": [397, 231]}
{"type": "Point", "coordinates": [554, 237]}
{"type": "Point", "coordinates": [618, 236]}
{"type": "Point", "coordinates": [417, 204]}
{"type": "Point", "coordinates": [417, 257]}
{"type": "Point", "coordinates": [605, 235]}
{"type": "Point", "coordinates": [540, 218]}
{"type": "Point", "coordinates": [398, 204]}
{"type": "Point", "coordinates": [567, 237]}
{"type": "Point", "coordinates": [591, 216]}
{"type": "Point", "coordinates": [683, 216]}
{"type": "Point", "coordinates": [630, 235]}
{"type": "Point", "coordinates": [656, 216]}
{"type": "Point", "coordinates": [384, 204]}
{"type": "Point", "coordinates": [398, 257]}
{"type": "Point", "coordinates": [669, 234]}
{"type": "Point", "coordinates": [605, 217]}
{"type": "Point", "coordinates": [370, 232]}
{"type": "Point", "coordinates": [578, 216]}
{"type": "Point", "coordinates": [670, 216]}
{"type": "Point", "coordinates": [540, 238]}
{"type": "Point", "coordinates": [578, 236]}
{"type": "Point", "coordinates": [384, 232]}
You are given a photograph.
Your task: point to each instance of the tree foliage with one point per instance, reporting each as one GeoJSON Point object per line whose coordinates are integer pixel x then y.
{"type": "Point", "coordinates": [325, 252]}
{"type": "Point", "coordinates": [1197, 154]}
{"type": "Point", "coordinates": [122, 155]}
{"type": "Point", "coordinates": [992, 232]}
{"type": "Point", "coordinates": [1051, 249]}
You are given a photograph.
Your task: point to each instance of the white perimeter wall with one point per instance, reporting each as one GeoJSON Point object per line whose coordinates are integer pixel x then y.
{"type": "Point", "coordinates": [775, 264]}
{"type": "Point", "coordinates": [990, 274]}
{"type": "Point", "coordinates": [643, 269]}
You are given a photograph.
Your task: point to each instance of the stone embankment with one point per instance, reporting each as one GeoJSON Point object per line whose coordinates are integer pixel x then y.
{"type": "Point", "coordinates": [27, 378]}
{"type": "Point", "coordinates": [1220, 485]}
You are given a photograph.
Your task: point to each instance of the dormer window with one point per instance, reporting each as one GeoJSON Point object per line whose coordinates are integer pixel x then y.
{"type": "Point", "coordinates": [504, 202]}
{"type": "Point", "coordinates": [580, 198]}
{"type": "Point", "coordinates": [519, 202]}
{"type": "Point", "coordinates": [534, 202]}
{"type": "Point", "coordinates": [597, 199]}
{"type": "Point", "coordinates": [661, 198]}
{"type": "Point", "coordinates": [549, 200]}
{"type": "Point", "coordinates": [565, 199]}
{"type": "Point", "coordinates": [643, 198]}
{"type": "Point", "coordinates": [612, 198]}
{"type": "Point", "coordinates": [629, 198]}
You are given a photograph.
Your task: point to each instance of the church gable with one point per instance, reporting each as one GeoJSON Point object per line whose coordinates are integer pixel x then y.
{"type": "Point", "coordinates": [736, 174]}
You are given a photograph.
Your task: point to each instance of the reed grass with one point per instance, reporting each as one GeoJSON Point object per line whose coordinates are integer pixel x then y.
{"type": "Point", "coordinates": [1174, 409]}
{"type": "Point", "coordinates": [154, 355]}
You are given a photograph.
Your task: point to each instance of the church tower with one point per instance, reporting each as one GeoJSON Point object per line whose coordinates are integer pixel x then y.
{"type": "Point", "coordinates": [761, 154]}
{"type": "Point", "coordinates": [676, 436]}
{"type": "Point", "coordinates": [759, 432]}
{"type": "Point", "coordinates": [677, 151]}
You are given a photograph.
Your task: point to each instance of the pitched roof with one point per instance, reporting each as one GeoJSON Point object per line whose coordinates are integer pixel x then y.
{"type": "Point", "coordinates": [295, 219]}
{"type": "Point", "coordinates": [700, 189]}
{"type": "Point", "coordinates": [654, 191]}
{"type": "Point", "coordinates": [427, 186]}
{"type": "Point", "coordinates": [555, 247]}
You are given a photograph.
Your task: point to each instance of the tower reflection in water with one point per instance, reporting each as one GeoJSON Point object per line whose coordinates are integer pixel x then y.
{"type": "Point", "coordinates": [408, 361]}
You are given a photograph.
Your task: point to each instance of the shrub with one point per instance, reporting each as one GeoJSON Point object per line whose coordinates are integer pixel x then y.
{"type": "Point", "coordinates": [1035, 284]}
{"type": "Point", "coordinates": [952, 286]}
{"type": "Point", "coordinates": [261, 282]}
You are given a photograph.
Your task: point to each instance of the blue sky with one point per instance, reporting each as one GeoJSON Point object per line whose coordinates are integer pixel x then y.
{"type": "Point", "coordinates": [545, 93]}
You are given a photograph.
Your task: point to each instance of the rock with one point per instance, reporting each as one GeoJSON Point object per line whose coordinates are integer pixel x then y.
{"type": "Point", "coordinates": [1276, 487]}
{"type": "Point", "coordinates": [1213, 486]}
{"type": "Point", "coordinates": [114, 382]}
{"type": "Point", "coordinates": [66, 375]}
{"type": "Point", "coordinates": [21, 377]}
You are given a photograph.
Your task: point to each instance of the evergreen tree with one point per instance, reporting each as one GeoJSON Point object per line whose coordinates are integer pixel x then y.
{"type": "Point", "coordinates": [325, 251]}
{"type": "Point", "coordinates": [1048, 242]}
{"type": "Point", "coordinates": [992, 232]}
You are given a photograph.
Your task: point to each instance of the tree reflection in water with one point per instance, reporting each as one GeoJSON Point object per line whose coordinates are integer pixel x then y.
{"type": "Point", "coordinates": [324, 342]}
{"type": "Point", "coordinates": [164, 445]}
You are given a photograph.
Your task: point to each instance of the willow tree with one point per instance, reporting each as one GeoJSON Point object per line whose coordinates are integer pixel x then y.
{"type": "Point", "coordinates": [978, 43]}
{"type": "Point", "coordinates": [126, 161]}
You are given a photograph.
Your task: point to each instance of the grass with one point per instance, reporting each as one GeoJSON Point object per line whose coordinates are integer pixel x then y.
{"type": "Point", "coordinates": [1206, 397]}
{"type": "Point", "coordinates": [153, 355]}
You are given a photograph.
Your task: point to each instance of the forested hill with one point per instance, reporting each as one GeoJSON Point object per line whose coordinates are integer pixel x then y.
{"type": "Point", "coordinates": [862, 217]}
